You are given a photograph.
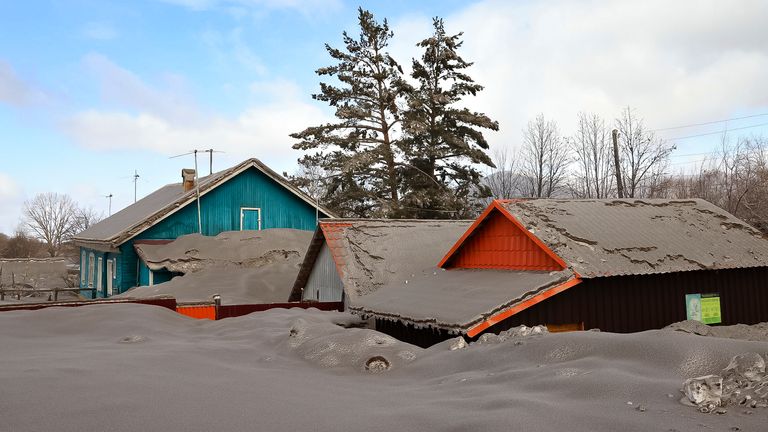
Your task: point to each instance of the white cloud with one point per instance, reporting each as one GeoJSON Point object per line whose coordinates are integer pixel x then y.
{"type": "Point", "coordinates": [676, 62]}
{"type": "Point", "coordinates": [16, 91]}
{"type": "Point", "coordinates": [169, 123]}
{"type": "Point", "coordinates": [99, 31]}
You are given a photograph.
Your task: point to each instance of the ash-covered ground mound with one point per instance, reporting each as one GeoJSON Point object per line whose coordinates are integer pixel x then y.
{"type": "Point", "coordinates": [133, 367]}
{"type": "Point", "coordinates": [243, 267]}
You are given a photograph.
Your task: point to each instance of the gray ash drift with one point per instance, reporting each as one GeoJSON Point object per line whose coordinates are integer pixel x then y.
{"type": "Point", "coordinates": [147, 368]}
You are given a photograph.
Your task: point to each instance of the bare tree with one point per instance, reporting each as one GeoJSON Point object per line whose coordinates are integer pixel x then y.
{"type": "Point", "coordinates": [84, 218]}
{"type": "Point", "coordinates": [591, 146]}
{"type": "Point", "coordinates": [543, 159]}
{"type": "Point", "coordinates": [644, 157]}
{"type": "Point", "coordinates": [504, 181]}
{"type": "Point", "coordinates": [50, 217]}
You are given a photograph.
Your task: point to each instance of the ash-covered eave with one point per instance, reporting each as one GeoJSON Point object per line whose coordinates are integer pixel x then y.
{"type": "Point", "coordinates": [481, 318]}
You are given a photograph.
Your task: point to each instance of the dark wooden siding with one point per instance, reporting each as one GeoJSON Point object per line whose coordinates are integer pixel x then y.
{"type": "Point", "coordinates": [625, 304]}
{"type": "Point", "coordinates": [635, 303]}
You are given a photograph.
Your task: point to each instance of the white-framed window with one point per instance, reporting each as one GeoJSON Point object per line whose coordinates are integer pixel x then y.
{"type": "Point", "coordinates": [99, 274]}
{"type": "Point", "coordinates": [91, 272]}
{"type": "Point", "coordinates": [250, 218]}
{"type": "Point", "coordinates": [114, 268]}
{"type": "Point", "coordinates": [83, 264]}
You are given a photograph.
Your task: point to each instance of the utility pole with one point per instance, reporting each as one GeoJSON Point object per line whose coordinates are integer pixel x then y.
{"type": "Point", "coordinates": [135, 180]}
{"type": "Point", "coordinates": [616, 164]}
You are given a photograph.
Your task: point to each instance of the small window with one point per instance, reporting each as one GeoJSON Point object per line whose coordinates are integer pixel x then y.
{"type": "Point", "coordinates": [99, 274]}
{"type": "Point", "coordinates": [83, 263]}
{"type": "Point", "coordinates": [114, 268]}
{"type": "Point", "coordinates": [91, 263]}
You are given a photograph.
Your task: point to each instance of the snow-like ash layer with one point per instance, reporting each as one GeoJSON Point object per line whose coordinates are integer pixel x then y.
{"type": "Point", "coordinates": [194, 252]}
{"type": "Point", "coordinates": [641, 236]}
{"type": "Point", "coordinates": [756, 332]}
{"type": "Point", "coordinates": [454, 300]}
{"type": "Point", "coordinates": [242, 266]}
{"type": "Point", "coordinates": [135, 367]}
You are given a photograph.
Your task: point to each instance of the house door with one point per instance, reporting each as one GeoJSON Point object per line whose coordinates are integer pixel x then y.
{"type": "Point", "coordinates": [110, 275]}
{"type": "Point", "coordinates": [250, 219]}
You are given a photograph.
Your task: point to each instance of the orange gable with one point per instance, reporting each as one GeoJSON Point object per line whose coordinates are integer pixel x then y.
{"type": "Point", "coordinates": [499, 243]}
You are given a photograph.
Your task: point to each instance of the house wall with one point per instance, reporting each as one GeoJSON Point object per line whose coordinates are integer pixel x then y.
{"type": "Point", "coordinates": [324, 283]}
{"type": "Point", "coordinates": [500, 244]}
{"type": "Point", "coordinates": [626, 304]}
{"type": "Point", "coordinates": [86, 274]}
{"type": "Point", "coordinates": [637, 303]}
{"type": "Point", "coordinates": [220, 211]}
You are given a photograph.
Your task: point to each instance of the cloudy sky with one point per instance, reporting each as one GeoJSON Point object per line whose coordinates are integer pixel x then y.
{"type": "Point", "coordinates": [92, 90]}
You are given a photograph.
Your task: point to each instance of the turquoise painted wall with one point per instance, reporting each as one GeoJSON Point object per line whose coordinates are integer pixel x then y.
{"type": "Point", "coordinates": [86, 274]}
{"type": "Point", "coordinates": [220, 211]}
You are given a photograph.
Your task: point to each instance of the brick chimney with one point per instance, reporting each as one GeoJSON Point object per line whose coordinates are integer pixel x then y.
{"type": "Point", "coordinates": [188, 177]}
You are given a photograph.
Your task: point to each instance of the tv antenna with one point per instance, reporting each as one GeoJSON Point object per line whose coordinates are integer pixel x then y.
{"type": "Point", "coordinates": [110, 203]}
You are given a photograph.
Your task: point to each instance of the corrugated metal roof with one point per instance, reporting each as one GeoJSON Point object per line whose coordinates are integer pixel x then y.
{"type": "Point", "coordinates": [149, 210]}
{"type": "Point", "coordinates": [641, 236]}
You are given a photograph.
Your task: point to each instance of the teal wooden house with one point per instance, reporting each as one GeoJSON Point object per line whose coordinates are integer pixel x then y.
{"type": "Point", "coordinates": [248, 196]}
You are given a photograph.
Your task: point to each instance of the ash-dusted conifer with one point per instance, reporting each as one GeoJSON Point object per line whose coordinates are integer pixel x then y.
{"type": "Point", "coordinates": [360, 148]}
{"type": "Point", "coordinates": [443, 142]}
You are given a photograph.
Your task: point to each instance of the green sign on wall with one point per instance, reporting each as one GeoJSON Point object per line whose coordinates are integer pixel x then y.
{"type": "Point", "coordinates": [704, 308]}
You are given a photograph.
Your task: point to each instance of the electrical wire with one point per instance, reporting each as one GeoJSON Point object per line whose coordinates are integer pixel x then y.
{"type": "Point", "coordinates": [710, 122]}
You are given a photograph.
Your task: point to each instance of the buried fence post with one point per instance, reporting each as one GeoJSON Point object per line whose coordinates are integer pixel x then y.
{"type": "Point", "coordinates": [217, 304]}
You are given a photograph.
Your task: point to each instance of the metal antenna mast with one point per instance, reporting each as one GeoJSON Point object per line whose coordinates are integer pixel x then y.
{"type": "Point", "coordinates": [110, 203]}
{"type": "Point", "coordinates": [135, 180]}
{"type": "Point", "coordinates": [210, 156]}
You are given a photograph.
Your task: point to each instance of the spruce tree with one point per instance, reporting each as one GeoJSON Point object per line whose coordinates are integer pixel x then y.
{"type": "Point", "coordinates": [443, 142]}
{"type": "Point", "coordinates": [360, 149]}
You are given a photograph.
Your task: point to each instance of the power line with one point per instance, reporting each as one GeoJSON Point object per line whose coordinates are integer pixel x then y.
{"type": "Point", "coordinates": [710, 122]}
{"type": "Point", "coordinates": [716, 133]}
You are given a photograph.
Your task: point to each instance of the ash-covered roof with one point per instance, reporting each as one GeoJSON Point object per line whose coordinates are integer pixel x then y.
{"type": "Point", "coordinates": [149, 210]}
{"type": "Point", "coordinates": [641, 236]}
{"type": "Point", "coordinates": [229, 249]}
{"type": "Point", "coordinates": [454, 300]}
{"type": "Point", "coordinates": [372, 252]}
{"type": "Point", "coordinates": [243, 267]}
{"type": "Point", "coordinates": [389, 270]}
